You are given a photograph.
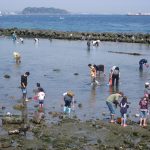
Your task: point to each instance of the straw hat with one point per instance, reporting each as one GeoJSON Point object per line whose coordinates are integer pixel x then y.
{"type": "Point", "coordinates": [70, 93]}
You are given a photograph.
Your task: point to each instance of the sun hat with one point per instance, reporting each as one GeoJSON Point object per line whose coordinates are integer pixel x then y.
{"type": "Point", "coordinates": [70, 93]}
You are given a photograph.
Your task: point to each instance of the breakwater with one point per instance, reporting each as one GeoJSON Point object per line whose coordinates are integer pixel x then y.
{"type": "Point", "coordinates": [51, 34]}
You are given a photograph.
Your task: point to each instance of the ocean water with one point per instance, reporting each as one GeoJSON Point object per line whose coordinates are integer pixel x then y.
{"type": "Point", "coordinates": [70, 57]}
{"type": "Point", "coordinates": [81, 23]}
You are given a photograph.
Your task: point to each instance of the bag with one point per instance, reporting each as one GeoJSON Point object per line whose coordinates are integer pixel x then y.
{"type": "Point", "coordinates": [35, 98]}
{"type": "Point", "coordinates": [110, 81]}
{"type": "Point", "coordinates": [24, 91]}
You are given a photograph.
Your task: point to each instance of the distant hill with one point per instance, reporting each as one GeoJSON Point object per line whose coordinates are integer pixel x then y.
{"type": "Point", "coordinates": [43, 11]}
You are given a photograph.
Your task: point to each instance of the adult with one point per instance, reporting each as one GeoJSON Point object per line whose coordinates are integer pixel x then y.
{"type": "Point", "coordinates": [24, 85]}
{"type": "Point", "coordinates": [143, 62]}
{"type": "Point", "coordinates": [115, 75]}
{"type": "Point", "coordinates": [99, 69]}
{"type": "Point", "coordinates": [112, 102]}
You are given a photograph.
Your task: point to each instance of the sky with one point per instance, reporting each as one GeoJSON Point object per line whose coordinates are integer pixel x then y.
{"type": "Point", "coordinates": [81, 6]}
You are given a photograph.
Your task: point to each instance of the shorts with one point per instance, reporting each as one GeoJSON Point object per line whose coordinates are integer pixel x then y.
{"type": "Point", "coordinates": [111, 107]}
{"type": "Point", "coordinates": [123, 115]}
{"type": "Point", "coordinates": [143, 114]}
{"type": "Point", "coordinates": [41, 102]}
{"type": "Point", "coordinates": [24, 90]}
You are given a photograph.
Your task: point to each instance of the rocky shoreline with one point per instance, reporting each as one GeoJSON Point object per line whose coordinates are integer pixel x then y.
{"type": "Point", "coordinates": [70, 133]}
{"type": "Point", "coordinates": [51, 34]}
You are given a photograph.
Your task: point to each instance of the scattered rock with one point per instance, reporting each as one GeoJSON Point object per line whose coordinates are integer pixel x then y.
{"type": "Point", "coordinates": [56, 70]}
{"type": "Point", "coordinates": [38, 117]}
{"type": "Point", "coordinates": [19, 106]}
{"type": "Point", "coordinates": [76, 74]}
{"type": "Point", "coordinates": [12, 120]}
{"type": "Point", "coordinates": [80, 105]}
{"type": "Point", "coordinates": [55, 114]}
{"type": "Point", "coordinates": [136, 54]}
{"type": "Point", "coordinates": [6, 76]}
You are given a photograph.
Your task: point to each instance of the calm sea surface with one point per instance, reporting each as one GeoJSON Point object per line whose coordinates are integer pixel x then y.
{"type": "Point", "coordinates": [70, 57]}
{"type": "Point", "coordinates": [85, 23]}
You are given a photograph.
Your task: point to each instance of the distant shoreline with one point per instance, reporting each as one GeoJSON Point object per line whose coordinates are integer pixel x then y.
{"type": "Point", "coordinates": [51, 34]}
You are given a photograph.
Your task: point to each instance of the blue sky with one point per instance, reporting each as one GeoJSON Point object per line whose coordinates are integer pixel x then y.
{"type": "Point", "coordinates": [81, 6]}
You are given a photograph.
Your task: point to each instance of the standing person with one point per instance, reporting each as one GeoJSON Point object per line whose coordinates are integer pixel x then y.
{"type": "Point", "coordinates": [143, 111]}
{"type": "Point", "coordinates": [41, 97]}
{"type": "Point", "coordinates": [14, 36]}
{"type": "Point", "coordinates": [88, 43]}
{"type": "Point", "coordinates": [124, 105]}
{"type": "Point", "coordinates": [36, 91]}
{"type": "Point", "coordinates": [115, 75]}
{"type": "Point", "coordinates": [93, 74]}
{"type": "Point", "coordinates": [143, 62]}
{"type": "Point", "coordinates": [24, 85]}
{"type": "Point", "coordinates": [112, 102]}
{"type": "Point", "coordinates": [68, 99]}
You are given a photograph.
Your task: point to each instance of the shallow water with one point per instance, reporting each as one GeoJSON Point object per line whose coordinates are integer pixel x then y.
{"type": "Point", "coordinates": [70, 57]}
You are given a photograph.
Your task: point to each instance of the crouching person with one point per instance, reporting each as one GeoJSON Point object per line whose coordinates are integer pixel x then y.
{"type": "Point", "coordinates": [112, 102]}
{"type": "Point", "coordinates": [68, 99]}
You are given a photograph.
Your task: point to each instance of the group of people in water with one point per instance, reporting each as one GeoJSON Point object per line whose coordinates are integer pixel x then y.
{"type": "Point", "coordinates": [118, 98]}
{"type": "Point", "coordinates": [114, 100]}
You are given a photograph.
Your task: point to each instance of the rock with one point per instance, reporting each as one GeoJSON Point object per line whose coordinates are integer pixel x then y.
{"type": "Point", "coordinates": [56, 70]}
{"type": "Point", "coordinates": [12, 97]}
{"type": "Point", "coordinates": [3, 107]}
{"type": "Point", "coordinates": [6, 76]}
{"type": "Point", "coordinates": [103, 113]}
{"type": "Point", "coordinates": [19, 106]}
{"type": "Point", "coordinates": [12, 120]}
{"type": "Point", "coordinates": [16, 131]}
{"type": "Point", "coordinates": [76, 74]}
{"type": "Point", "coordinates": [36, 105]}
{"type": "Point", "coordinates": [55, 114]}
{"type": "Point", "coordinates": [80, 105]}
{"type": "Point", "coordinates": [136, 54]}
{"type": "Point", "coordinates": [37, 117]}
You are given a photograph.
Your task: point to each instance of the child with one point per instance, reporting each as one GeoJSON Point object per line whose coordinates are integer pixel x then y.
{"type": "Point", "coordinates": [143, 111]}
{"type": "Point", "coordinates": [41, 97]}
{"type": "Point", "coordinates": [36, 91]}
{"type": "Point", "coordinates": [68, 99]}
{"type": "Point", "coordinates": [123, 110]}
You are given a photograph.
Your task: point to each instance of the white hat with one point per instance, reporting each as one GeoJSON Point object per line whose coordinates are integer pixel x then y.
{"type": "Point", "coordinates": [146, 83]}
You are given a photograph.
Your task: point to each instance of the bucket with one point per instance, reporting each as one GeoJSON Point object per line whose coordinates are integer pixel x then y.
{"type": "Point", "coordinates": [119, 120]}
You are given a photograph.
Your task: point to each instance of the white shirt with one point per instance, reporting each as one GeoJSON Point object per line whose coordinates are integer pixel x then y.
{"type": "Point", "coordinates": [41, 95]}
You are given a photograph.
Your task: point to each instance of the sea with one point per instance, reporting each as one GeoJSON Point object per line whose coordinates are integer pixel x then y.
{"type": "Point", "coordinates": [79, 23]}
{"type": "Point", "coordinates": [55, 63]}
